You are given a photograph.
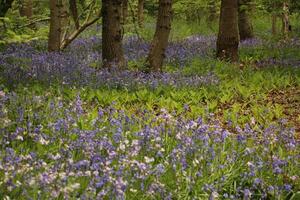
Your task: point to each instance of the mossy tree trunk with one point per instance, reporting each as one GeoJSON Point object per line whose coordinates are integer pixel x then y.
{"type": "Point", "coordinates": [112, 34]}
{"type": "Point", "coordinates": [161, 36]}
{"type": "Point", "coordinates": [245, 25]}
{"type": "Point", "coordinates": [228, 36]}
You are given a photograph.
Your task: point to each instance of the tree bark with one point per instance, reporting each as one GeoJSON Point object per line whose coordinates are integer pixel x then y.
{"type": "Point", "coordinates": [285, 20]}
{"type": "Point", "coordinates": [160, 41]}
{"type": "Point", "coordinates": [124, 11]}
{"type": "Point", "coordinates": [140, 13]}
{"type": "Point", "coordinates": [5, 5]}
{"type": "Point", "coordinates": [26, 8]}
{"type": "Point", "coordinates": [228, 36]}
{"type": "Point", "coordinates": [74, 12]}
{"type": "Point", "coordinates": [58, 18]}
{"type": "Point", "coordinates": [112, 34]}
{"type": "Point", "coordinates": [245, 25]}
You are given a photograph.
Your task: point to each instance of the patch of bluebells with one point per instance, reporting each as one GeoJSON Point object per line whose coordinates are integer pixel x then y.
{"type": "Point", "coordinates": [284, 57]}
{"type": "Point", "coordinates": [286, 62]}
{"type": "Point", "coordinates": [79, 64]}
{"type": "Point", "coordinates": [79, 152]}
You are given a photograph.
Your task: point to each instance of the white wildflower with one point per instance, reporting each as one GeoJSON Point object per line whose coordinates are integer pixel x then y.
{"type": "Point", "coordinates": [19, 137]}
{"type": "Point", "coordinates": [43, 141]}
{"type": "Point", "coordinates": [148, 160]}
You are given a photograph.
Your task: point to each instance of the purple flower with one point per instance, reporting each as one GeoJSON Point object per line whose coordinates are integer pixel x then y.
{"type": "Point", "coordinates": [287, 187]}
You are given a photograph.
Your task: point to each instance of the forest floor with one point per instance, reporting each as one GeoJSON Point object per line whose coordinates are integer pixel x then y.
{"type": "Point", "coordinates": [203, 128]}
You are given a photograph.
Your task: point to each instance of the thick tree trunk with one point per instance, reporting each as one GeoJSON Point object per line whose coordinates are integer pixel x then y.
{"type": "Point", "coordinates": [285, 20]}
{"type": "Point", "coordinates": [228, 36]}
{"type": "Point", "coordinates": [74, 12]}
{"type": "Point", "coordinates": [161, 36]}
{"type": "Point", "coordinates": [58, 16]}
{"type": "Point", "coordinates": [26, 8]}
{"type": "Point", "coordinates": [5, 5]}
{"type": "Point", "coordinates": [112, 34]}
{"type": "Point", "coordinates": [245, 25]}
{"type": "Point", "coordinates": [140, 13]}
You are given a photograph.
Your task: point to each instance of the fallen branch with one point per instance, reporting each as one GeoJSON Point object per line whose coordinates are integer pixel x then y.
{"type": "Point", "coordinates": [35, 21]}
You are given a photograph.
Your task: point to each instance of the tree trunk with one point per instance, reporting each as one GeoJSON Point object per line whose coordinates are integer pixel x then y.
{"type": "Point", "coordinates": [285, 20]}
{"type": "Point", "coordinates": [124, 11]}
{"type": "Point", "coordinates": [245, 26]}
{"type": "Point", "coordinates": [5, 5]}
{"type": "Point", "coordinates": [74, 12]}
{"type": "Point", "coordinates": [140, 14]}
{"type": "Point", "coordinates": [161, 36]}
{"type": "Point", "coordinates": [112, 34]}
{"type": "Point", "coordinates": [58, 18]}
{"type": "Point", "coordinates": [228, 36]}
{"type": "Point", "coordinates": [26, 8]}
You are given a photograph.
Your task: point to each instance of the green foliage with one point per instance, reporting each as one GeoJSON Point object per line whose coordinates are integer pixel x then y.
{"type": "Point", "coordinates": [194, 10]}
{"type": "Point", "coordinates": [275, 6]}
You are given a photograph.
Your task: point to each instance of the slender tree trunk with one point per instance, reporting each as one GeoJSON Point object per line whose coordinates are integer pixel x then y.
{"type": "Point", "coordinates": [245, 25]}
{"type": "Point", "coordinates": [58, 18]}
{"type": "Point", "coordinates": [285, 20]}
{"type": "Point", "coordinates": [74, 12]}
{"type": "Point", "coordinates": [55, 31]}
{"type": "Point", "coordinates": [161, 36]}
{"type": "Point", "coordinates": [26, 8]}
{"type": "Point", "coordinates": [228, 36]}
{"type": "Point", "coordinates": [124, 11]}
{"type": "Point", "coordinates": [65, 16]}
{"type": "Point", "coordinates": [274, 24]}
{"type": "Point", "coordinates": [5, 5]}
{"type": "Point", "coordinates": [112, 34]}
{"type": "Point", "coordinates": [140, 14]}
